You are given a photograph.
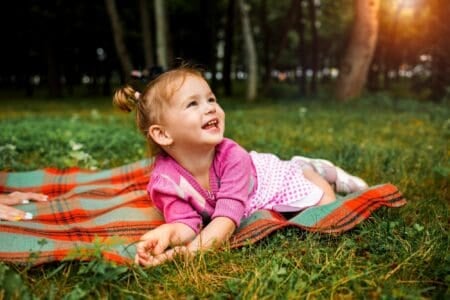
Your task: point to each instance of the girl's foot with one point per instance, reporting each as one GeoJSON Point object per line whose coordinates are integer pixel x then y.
{"type": "Point", "coordinates": [346, 183]}
{"type": "Point", "coordinates": [342, 181]}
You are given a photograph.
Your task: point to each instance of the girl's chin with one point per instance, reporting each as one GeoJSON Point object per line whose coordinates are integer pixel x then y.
{"type": "Point", "coordinates": [216, 140]}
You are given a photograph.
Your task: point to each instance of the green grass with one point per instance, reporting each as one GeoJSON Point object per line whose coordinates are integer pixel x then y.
{"type": "Point", "coordinates": [398, 253]}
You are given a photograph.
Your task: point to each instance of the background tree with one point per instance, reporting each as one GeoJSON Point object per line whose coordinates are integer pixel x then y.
{"type": "Point", "coordinates": [356, 61]}
{"type": "Point", "coordinates": [437, 33]}
{"type": "Point", "coordinates": [146, 33]}
{"type": "Point", "coordinates": [162, 52]}
{"type": "Point", "coordinates": [250, 50]}
{"type": "Point", "coordinates": [229, 44]}
{"type": "Point", "coordinates": [266, 37]}
{"type": "Point", "coordinates": [282, 34]}
{"type": "Point", "coordinates": [301, 49]}
{"type": "Point", "coordinates": [71, 48]}
{"type": "Point", "coordinates": [314, 44]}
{"type": "Point", "coordinates": [119, 39]}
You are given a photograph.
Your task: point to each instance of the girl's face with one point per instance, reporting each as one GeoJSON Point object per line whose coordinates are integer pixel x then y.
{"type": "Point", "coordinates": [194, 118]}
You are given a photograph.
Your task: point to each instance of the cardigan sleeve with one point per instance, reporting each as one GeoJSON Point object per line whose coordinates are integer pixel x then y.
{"type": "Point", "coordinates": [169, 199]}
{"type": "Point", "coordinates": [234, 183]}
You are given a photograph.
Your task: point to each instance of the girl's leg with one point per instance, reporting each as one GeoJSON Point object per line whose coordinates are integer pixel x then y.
{"type": "Point", "coordinates": [328, 193]}
{"type": "Point", "coordinates": [342, 181]}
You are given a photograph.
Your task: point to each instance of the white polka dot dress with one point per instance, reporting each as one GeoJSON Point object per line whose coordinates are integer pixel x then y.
{"type": "Point", "coordinates": [281, 185]}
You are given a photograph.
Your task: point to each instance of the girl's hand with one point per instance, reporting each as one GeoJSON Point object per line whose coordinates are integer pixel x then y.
{"type": "Point", "coordinates": [153, 249]}
{"type": "Point", "coordinates": [153, 244]}
{"type": "Point", "coordinates": [168, 255]}
{"type": "Point", "coordinates": [9, 213]}
{"type": "Point", "coordinates": [21, 198]}
{"type": "Point", "coordinates": [13, 214]}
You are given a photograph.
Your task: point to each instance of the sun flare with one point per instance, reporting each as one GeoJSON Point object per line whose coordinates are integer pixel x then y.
{"type": "Point", "coordinates": [405, 8]}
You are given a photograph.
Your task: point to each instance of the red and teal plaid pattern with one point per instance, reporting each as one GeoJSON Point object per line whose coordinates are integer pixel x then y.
{"type": "Point", "coordinates": [92, 212]}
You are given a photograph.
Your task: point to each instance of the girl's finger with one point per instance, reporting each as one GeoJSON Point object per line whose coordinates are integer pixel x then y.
{"type": "Point", "coordinates": [19, 197]}
{"type": "Point", "coordinates": [35, 196]}
{"type": "Point", "coordinates": [156, 260]}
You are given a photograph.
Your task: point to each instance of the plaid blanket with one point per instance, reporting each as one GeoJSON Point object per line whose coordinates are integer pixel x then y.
{"type": "Point", "coordinates": [103, 213]}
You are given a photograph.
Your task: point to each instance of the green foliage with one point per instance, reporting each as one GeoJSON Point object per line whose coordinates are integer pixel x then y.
{"type": "Point", "coordinates": [12, 285]}
{"type": "Point", "coordinates": [398, 253]}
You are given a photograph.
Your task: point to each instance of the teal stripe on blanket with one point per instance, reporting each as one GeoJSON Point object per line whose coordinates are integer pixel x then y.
{"type": "Point", "coordinates": [89, 177]}
{"type": "Point", "coordinates": [119, 214]}
{"type": "Point", "coordinates": [24, 179]}
{"type": "Point", "coordinates": [100, 204]}
{"type": "Point", "coordinates": [257, 215]}
{"type": "Point", "coordinates": [13, 241]}
{"type": "Point", "coordinates": [312, 215]}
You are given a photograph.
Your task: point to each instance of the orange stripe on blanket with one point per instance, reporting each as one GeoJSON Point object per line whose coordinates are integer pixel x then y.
{"type": "Point", "coordinates": [131, 230]}
{"type": "Point", "coordinates": [55, 171]}
{"type": "Point", "coordinates": [355, 210]}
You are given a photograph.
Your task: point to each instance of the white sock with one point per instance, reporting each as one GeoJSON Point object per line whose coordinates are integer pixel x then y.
{"type": "Point", "coordinates": [342, 181]}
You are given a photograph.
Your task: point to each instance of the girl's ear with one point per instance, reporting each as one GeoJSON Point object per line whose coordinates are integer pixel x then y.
{"type": "Point", "coordinates": [160, 135]}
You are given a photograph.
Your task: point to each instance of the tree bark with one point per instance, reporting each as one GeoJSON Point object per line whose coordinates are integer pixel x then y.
{"type": "Point", "coordinates": [228, 52]}
{"type": "Point", "coordinates": [208, 30]}
{"type": "Point", "coordinates": [440, 61]}
{"type": "Point", "coordinates": [315, 45]}
{"type": "Point", "coordinates": [266, 36]}
{"type": "Point", "coordinates": [162, 56]}
{"type": "Point", "coordinates": [146, 33]}
{"type": "Point", "coordinates": [251, 56]}
{"type": "Point", "coordinates": [356, 62]}
{"type": "Point", "coordinates": [390, 57]}
{"type": "Point", "coordinates": [283, 33]}
{"type": "Point", "coordinates": [119, 40]}
{"type": "Point", "coordinates": [301, 50]}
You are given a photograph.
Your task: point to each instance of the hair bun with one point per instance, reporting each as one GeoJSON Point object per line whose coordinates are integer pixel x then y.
{"type": "Point", "coordinates": [126, 98]}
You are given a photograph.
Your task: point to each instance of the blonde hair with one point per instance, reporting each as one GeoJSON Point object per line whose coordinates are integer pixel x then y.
{"type": "Point", "coordinates": [154, 98]}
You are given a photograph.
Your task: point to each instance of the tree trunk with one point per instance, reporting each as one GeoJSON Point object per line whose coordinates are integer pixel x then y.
{"type": "Point", "coordinates": [146, 33]}
{"type": "Point", "coordinates": [162, 56]}
{"type": "Point", "coordinates": [119, 40]}
{"type": "Point", "coordinates": [228, 53]}
{"type": "Point", "coordinates": [301, 50]}
{"type": "Point", "coordinates": [281, 44]}
{"type": "Point", "coordinates": [251, 56]}
{"type": "Point", "coordinates": [373, 75]}
{"type": "Point", "coordinates": [208, 30]}
{"type": "Point", "coordinates": [357, 59]}
{"type": "Point", "coordinates": [315, 45]}
{"type": "Point", "coordinates": [440, 61]}
{"type": "Point", "coordinates": [390, 57]}
{"type": "Point", "coordinates": [266, 35]}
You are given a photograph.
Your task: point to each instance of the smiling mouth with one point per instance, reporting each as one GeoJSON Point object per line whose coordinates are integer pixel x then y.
{"type": "Point", "coordinates": [211, 124]}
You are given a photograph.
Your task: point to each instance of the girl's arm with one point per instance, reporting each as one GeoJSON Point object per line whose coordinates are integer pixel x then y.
{"type": "Point", "coordinates": [214, 234]}
{"type": "Point", "coordinates": [218, 231]}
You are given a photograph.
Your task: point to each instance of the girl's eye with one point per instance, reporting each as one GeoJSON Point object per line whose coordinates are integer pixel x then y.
{"type": "Point", "coordinates": [192, 103]}
{"type": "Point", "coordinates": [212, 100]}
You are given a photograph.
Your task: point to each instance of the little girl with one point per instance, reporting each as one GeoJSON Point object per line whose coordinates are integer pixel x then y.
{"type": "Point", "coordinates": [205, 184]}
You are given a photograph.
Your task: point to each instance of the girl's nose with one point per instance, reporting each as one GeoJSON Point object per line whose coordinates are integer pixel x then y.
{"type": "Point", "coordinates": [210, 107]}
